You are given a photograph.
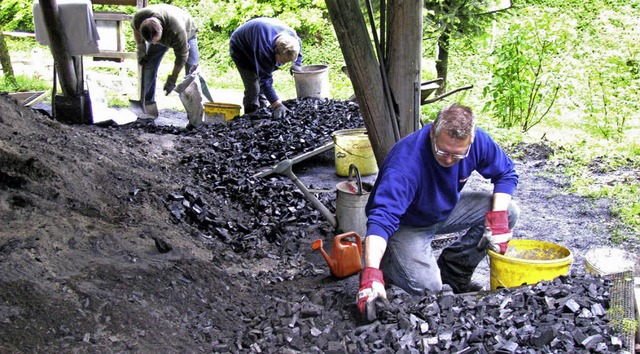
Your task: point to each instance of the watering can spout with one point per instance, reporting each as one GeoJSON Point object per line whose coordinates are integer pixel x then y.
{"type": "Point", "coordinates": [317, 246]}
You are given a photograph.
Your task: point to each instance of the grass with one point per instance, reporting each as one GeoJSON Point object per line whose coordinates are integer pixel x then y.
{"type": "Point", "coordinates": [23, 84]}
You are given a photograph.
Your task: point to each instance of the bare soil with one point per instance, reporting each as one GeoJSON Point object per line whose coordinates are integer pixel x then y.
{"type": "Point", "coordinates": [85, 211]}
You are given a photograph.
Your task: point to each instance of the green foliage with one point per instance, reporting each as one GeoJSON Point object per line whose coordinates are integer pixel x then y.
{"type": "Point", "coordinates": [16, 15]}
{"type": "Point", "coordinates": [613, 76]}
{"type": "Point", "coordinates": [466, 18]}
{"type": "Point", "coordinates": [23, 83]}
{"type": "Point", "coordinates": [526, 66]}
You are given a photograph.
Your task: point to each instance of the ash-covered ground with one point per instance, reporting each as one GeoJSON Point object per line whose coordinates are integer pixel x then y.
{"type": "Point", "coordinates": [145, 238]}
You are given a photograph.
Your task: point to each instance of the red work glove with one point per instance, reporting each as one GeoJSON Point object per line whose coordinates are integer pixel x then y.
{"type": "Point", "coordinates": [371, 287]}
{"type": "Point", "coordinates": [497, 222]}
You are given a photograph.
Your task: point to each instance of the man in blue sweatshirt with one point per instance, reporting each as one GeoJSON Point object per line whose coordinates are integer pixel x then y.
{"type": "Point", "coordinates": [258, 48]}
{"type": "Point", "coordinates": [417, 195]}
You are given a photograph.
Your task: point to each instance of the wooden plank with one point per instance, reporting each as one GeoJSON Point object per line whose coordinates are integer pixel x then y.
{"type": "Point", "coordinates": [28, 98]}
{"type": "Point", "coordinates": [113, 54]}
{"type": "Point", "coordinates": [115, 2]}
{"type": "Point", "coordinates": [19, 34]}
{"type": "Point", "coordinates": [111, 16]}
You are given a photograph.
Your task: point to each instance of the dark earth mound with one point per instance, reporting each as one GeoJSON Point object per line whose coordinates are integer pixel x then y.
{"type": "Point", "coordinates": [149, 239]}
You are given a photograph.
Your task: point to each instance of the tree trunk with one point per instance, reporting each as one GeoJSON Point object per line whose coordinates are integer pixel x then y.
{"type": "Point", "coordinates": [5, 61]}
{"type": "Point", "coordinates": [405, 52]}
{"type": "Point", "coordinates": [442, 62]}
{"type": "Point", "coordinates": [364, 72]}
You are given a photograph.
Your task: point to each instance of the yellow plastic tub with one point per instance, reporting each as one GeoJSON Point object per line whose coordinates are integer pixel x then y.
{"type": "Point", "coordinates": [528, 262]}
{"type": "Point", "coordinates": [352, 146]}
{"type": "Point", "coordinates": [219, 112]}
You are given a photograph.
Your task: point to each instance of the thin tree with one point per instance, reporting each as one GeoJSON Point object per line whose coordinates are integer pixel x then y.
{"type": "Point", "coordinates": [447, 18]}
{"type": "Point", "coordinates": [5, 61]}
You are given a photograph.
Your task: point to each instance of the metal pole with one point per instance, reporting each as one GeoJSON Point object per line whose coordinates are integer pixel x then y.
{"type": "Point", "coordinates": [59, 47]}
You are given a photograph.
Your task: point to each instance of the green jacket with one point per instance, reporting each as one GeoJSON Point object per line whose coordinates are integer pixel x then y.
{"type": "Point", "coordinates": [177, 28]}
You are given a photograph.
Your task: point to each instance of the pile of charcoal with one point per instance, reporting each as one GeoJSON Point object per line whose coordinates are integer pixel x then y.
{"type": "Point", "coordinates": [225, 201]}
{"type": "Point", "coordinates": [566, 315]}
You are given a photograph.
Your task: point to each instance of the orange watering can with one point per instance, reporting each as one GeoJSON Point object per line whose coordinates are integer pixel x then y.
{"type": "Point", "coordinates": [346, 256]}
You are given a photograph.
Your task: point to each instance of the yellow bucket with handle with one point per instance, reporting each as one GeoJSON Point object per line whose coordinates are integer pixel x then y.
{"type": "Point", "coordinates": [528, 262]}
{"type": "Point", "coordinates": [352, 146]}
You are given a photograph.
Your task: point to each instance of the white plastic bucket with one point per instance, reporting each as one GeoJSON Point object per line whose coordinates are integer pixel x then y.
{"type": "Point", "coordinates": [312, 81]}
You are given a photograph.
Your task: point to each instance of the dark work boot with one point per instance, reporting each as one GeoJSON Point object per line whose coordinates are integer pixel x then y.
{"type": "Point", "coordinates": [250, 108]}
{"type": "Point", "coordinates": [469, 287]}
{"type": "Point", "coordinates": [458, 278]}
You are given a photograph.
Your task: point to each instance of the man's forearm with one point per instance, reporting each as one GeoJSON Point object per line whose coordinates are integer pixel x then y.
{"type": "Point", "coordinates": [374, 247]}
{"type": "Point", "coordinates": [501, 201]}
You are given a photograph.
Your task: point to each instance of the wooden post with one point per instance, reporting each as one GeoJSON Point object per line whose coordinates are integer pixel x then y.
{"type": "Point", "coordinates": [59, 48]}
{"type": "Point", "coordinates": [404, 58]}
{"type": "Point", "coordinates": [364, 73]}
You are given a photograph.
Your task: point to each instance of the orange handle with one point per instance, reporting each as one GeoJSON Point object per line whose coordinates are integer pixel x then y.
{"type": "Point", "coordinates": [351, 234]}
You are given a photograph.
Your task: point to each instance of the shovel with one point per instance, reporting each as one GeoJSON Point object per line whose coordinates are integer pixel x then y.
{"type": "Point", "coordinates": [140, 107]}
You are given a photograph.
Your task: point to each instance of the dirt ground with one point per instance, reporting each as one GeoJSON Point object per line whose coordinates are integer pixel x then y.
{"type": "Point", "coordinates": [85, 210]}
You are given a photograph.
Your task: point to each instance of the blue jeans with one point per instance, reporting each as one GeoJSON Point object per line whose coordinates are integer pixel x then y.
{"type": "Point", "coordinates": [154, 56]}
{"type": "Point", "coordinates": [253, 99]}
{"type": "Point", "coordinates": [410, 264]}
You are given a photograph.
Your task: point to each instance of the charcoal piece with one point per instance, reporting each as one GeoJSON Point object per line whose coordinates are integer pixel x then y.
{"type": "Point", "coordinates": [162, 245]}
{"type": "Point", "coordinates": [543, 337]}
{"type": "Point", "coordinates": [585, 313]}
{"type": "Point", "coordinates": [591, 341]}
{"type": "Point", "coordinates": [190, 194]}
{"type": "Point", "coordinates": [550, 302]}
{"type": "Point", "coordinates": [598, 310]}
{"type": "Point", "coordinates": [579, 336]}
{"type": "Point", "coordinates": [616, 342]}
{"type": "Point", "coordinates": [572, 306]}
{"type": "Point", "coordinates": [296, 342]}
{"type": "Point", "coordinates": [518, 301]}
{"type": "Point", "coordinates": [506, 347]}
{"type": "Point", "coordinates": [432, 309]}
{"type": "Point", "coordinates": [583, 322]}
{"type": "Point", "coordinates": [221, 348]}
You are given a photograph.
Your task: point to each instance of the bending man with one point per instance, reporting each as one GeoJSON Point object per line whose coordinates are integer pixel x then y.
{"type": "Point", "coordinates": [258, 48]}
{"type": "Point", "coordinates": [418, 194]}
{"type": "Point", "coordinates": [156, 28]}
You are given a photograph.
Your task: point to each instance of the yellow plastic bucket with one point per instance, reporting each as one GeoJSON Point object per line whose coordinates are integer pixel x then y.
{"type": "Point", "coordinates": [528, 262]}
{"type": "Point", "coordinates": [352, 146]}
{"type": "Point", "coordinates": [220, 112]}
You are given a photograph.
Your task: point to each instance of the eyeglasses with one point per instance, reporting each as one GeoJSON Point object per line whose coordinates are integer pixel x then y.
{"type": "Point", "coordinates": [447, 154]}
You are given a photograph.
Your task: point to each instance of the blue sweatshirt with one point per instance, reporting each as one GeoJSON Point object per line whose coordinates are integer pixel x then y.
{"type": "Point", "coordinates": [252, 47]}
{"type": "Point", "coordinates": [413, 189]}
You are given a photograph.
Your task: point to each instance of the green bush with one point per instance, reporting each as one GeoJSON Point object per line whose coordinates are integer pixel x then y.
{"type": "Point", "coordinates": [526, 65]}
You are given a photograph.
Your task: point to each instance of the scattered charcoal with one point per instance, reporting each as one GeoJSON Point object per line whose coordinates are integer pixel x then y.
{"type": "Point", "coordinates": [162, 245]}
{"type": "Point", "coordinates": [256, 218]}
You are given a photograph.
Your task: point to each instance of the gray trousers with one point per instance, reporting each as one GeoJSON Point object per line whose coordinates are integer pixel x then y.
{"type": "Point", "coordinates": [253, 99]}
{"type": "Point", "coordinates": [410, 264]}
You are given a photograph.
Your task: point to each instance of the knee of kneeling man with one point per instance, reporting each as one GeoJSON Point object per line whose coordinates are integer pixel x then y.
{"type": "Point", "coordinates": [432, 284]}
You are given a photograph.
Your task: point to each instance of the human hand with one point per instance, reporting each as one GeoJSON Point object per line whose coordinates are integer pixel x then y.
{"type": "Point", "coordinates": [141, 53]}
{"type": "Point", "coordinates": [170, 84]}
{"type": "Point", "coordinates": [371, 288]}
{"type": "Point", "coordinates": [280, 111]}
{"type": "Point", "coordinates": [497, 233]}
{"type": "Point", "coordinates": [295, 68]}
